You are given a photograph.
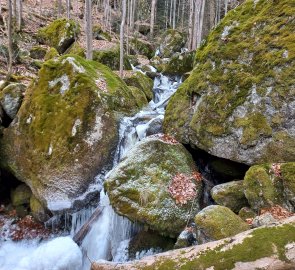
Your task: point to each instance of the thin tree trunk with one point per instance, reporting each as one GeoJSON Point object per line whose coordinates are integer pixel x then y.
{"type": "Point", "coordinates": [200, 31]}
{"type": "Point", "coordinates": [225, 6]}
{"type": "Point", "coordinates": [122, 37]}
{"type": "Point", "coordinates": [14, 10]}
{"type": "Point", "coordinates": [170, 18]}
{"type": "Point", "coordinates": [174, 14]}
{"type": "Point", "coordinates": [196, 23]}
{"type": "Point", "coordinates": [9, 35]}
{"type": "Point", "coordinates": [182, 14]}
{"type": "Point", "coordinates": [190, 24]}
{"type": "Point", "coordinates": [68, 3]}
{"type": "Point", "coordinates": [153, 11]}
{"type": "Point", "coordinates": [59, 8]}
{"type": "Point", "coordinates": [20, 15]}
{"type": "Point", "coordinates": [88, 19]}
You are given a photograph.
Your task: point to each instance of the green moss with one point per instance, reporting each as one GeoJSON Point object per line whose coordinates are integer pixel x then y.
{"type": "Point", "coordinates": [111, 58]}
{"type": "Point", "coordinates": [142, 82]}
{"type": "Point", "coordinates": [179, 64]}
{"type": "Point", "coordinates": [76, 49]}
{"type": "Point", "coordinates": [51, 53]}
{"type": "Point", "coordinates": [261, 189]}
{"type": "Point", "coordinates": [261, 243]}
{"type": "Point", "coordinates": [288, 177]}
{"type": "Point", "coordinates": [139, 96]}
{"type": "Point", "coordinates": [21, 195]}
{"type": "Point", "coordinates": [99, 34]}
{"type": "Point", "coordinates": [59, 34]}
{"type": "Point", "coordinates": [138, 46]}
{"type": "Point", "coordinates": [171, 42]}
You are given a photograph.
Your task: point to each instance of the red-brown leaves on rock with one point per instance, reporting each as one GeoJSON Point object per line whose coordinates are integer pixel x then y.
{"type": "Point", "coordinates": [276, 169]}
{"type": "Point", "coordinates": [277, 212]}
{"type": "Point", "coordinates": [183, 188]}
{"type": "Point", "coordinates": [166, 138]}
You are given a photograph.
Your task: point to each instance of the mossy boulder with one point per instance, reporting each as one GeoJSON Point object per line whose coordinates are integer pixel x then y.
{"type": "Point", "coordinates": [216, 222]}
{"type": "Point", "coordinates": [77, 49]}
{"type": "Point", "coordinates": [265, 186]}
{"type": "Point", "coordinates": [111, 58]}
{"type": "Point", "coordinates": [141, 47]}
{"type": "Point", "coordinates": [66, 129]}
{"type": "Point", "coordinates": [51, 53]}
{"type": "Point", "coordinates": [270, 247]}
{"type": "Point", "coordinates": [246, 213]}
{"type": "Point", "coordinates": [230, 195]}
{"type": "Point", "coordinates": [11, 98]}
{"type": "Point", "coordinates": [141, 81]}
{"type": "Point", "coordinates": [21, 195]}
{"type": "Point", "coordinates": [37, 210]}
{"type": "Point", "coordinates": [99, 34]}
{"type": "Point", "coordinates": [180, 63]}
{"type": "Point", "coordinates": [171, 42]}
{"type": "Point", "coordinates": [239, 101]}
{"type": "Point", "coordinates": [138, 186]}
{"type": "Point", "coordinates": [38, 52]}
{"type": "Point", "coordinates": [139, 96]}
{"type": "Point", "coordinates": [59, 34]}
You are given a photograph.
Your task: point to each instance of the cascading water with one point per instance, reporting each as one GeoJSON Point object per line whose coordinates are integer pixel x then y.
{"type": "Point", "coordinates": [109, 236]}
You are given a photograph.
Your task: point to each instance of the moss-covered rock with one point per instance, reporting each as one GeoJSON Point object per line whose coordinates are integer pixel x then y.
{"type": "Point", "coordinates": [141, 81]}
{"type": "Point", "coordinates": [171, 42]}
{"type": "Point", "coordinates": [216, 222]}
{"type": "Point", "coordinates": [180, 63]}
{"type": "Point", "coordinates": [21, 195]}
{"type": "Point", "coordinates": [142, 47]}
{"type": "Point", "coordinates": [99, 34]}
{"type": "Point", "coordinates": [111, 58]}
{"type": "Point", "coordinates": [38, 52]}
{"type": "Point", "coordinates": [269, 247]}
{"type": "Point", "coordinates": [11, 98]}
{"type": "Point", "coordinates": [138, 186]}
{"type": "Point", "coordinates": [246, 213]}
{"type": "Point", "coordinates": [37, 210]}
{"type": "Point", "coordinates": [51, 53]}
{"type": "Point", "coordinates": [66, 129]}
{"type": "Point", "coordinates": [230, 195]}
{"type": "Point", "coordinates": [76, 49]}
{"type": "Point", "coordinates": [265, 186]}
{"type": "Point", "coordinates": [139, 96]}
{"type": "Point", "coordinates": [234, 104]}
{"type": "Point", "coordinates": [59, 34]}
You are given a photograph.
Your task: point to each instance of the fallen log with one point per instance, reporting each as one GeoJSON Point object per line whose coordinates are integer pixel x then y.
{"type": "Point", "coordinates": [80, 235]}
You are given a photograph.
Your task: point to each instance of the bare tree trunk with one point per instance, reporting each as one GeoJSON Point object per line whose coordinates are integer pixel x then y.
{"type": "Point", "coordinates": [200, 31]}
{"type": "Point", "coordinates": [225, 6]}
{"type": "Point", "coordinates": [122, 37]}
{"type": "Point", "coordinates": [196, 23]}
{"type": "Point", "coordinates": [190, 24]}
{"type": "Point", "coordinates": [68, 3]}
{"type": "Point", "coordinates": [59, 8]}
{"type": "Point", "coordinates": [174, 15]}
{"type": "Point", "coordinates": [170, 17]}
{"type": "Point", "coordinates": [88, 29]}
{"type": "Point", "coordinates": [153, 11]}
{"type": "Point", "coordinates": [20, 15]}
{"type": "Point", "coordinates": [9, 35]}
{"type": "Point", "coordinates": [14, 10]}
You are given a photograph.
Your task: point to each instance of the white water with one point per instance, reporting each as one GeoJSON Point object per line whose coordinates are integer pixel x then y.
{"type": "Point", "coordinates": [109, 237]}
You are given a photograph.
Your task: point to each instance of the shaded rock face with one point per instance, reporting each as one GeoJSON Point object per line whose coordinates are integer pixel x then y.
{"type": "Point", "coordinates": [270, 248]}
{"type": "Point", "coordinates": [11, 98]}
{"type": "Point", "coordinates": [231, 195]}
{"type": "Point", "coordinates": [216, 222]}
{"type": "Point", "coordinates": [59, 34]}
{"type": "Point", "coordinates": [239, 101]}
{"type": "Point", "coordinates": [66, 129]}
{"type": "Point", "coordinates": [138, 186]}
{"type": "Point", "coordinates": [271, 184]}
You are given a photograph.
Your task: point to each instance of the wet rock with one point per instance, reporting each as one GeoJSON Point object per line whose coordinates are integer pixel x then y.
{"type": "Point", "coordinates": [239, 102]}
{"type": "Point", "coordinates": [216, 222]}
{"type": "Point", "coordinates": [230, 195]}
{"type": "Point", "coordinates": [138, 186]}
{"type": "Point", "coordinates": [59, 34]}
{"type": "Point", "coordinates": [187, 237]}
{"type": "Point", "coordinates": [155, 127]}
{"type": "Point", "coordinates": [11, 98]}
{"type": "Point", "coordinates": [37, 210]}
{"type": "Point", "coordinates": [66, 129]}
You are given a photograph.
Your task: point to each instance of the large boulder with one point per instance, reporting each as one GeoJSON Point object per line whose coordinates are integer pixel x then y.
{"type": "Point", "coordinates": [216, 222]}
{"type": "Point", "coordinates": [230, 194]}
{"type": "Point", "coordinates": [59, 34]}
{"type": "Point", "coordinates": [180, 63]}
{"type": "Point", "coordinates": [271, 184]}
{"type": "Point", "coordinates": [11, 98]}
{"type": "Point", "coordinates": [141, 47]}
{"type": "Point", "coordinates": [171, 42]}
{"type": "Point", "coordinates": [66, 129]}
{"type": "Point", "coordinates": [239, 102]}
{"type": "Point", "coordinates": [270, 247]}
{"type": "Point", "coordinates": [140, 187]}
